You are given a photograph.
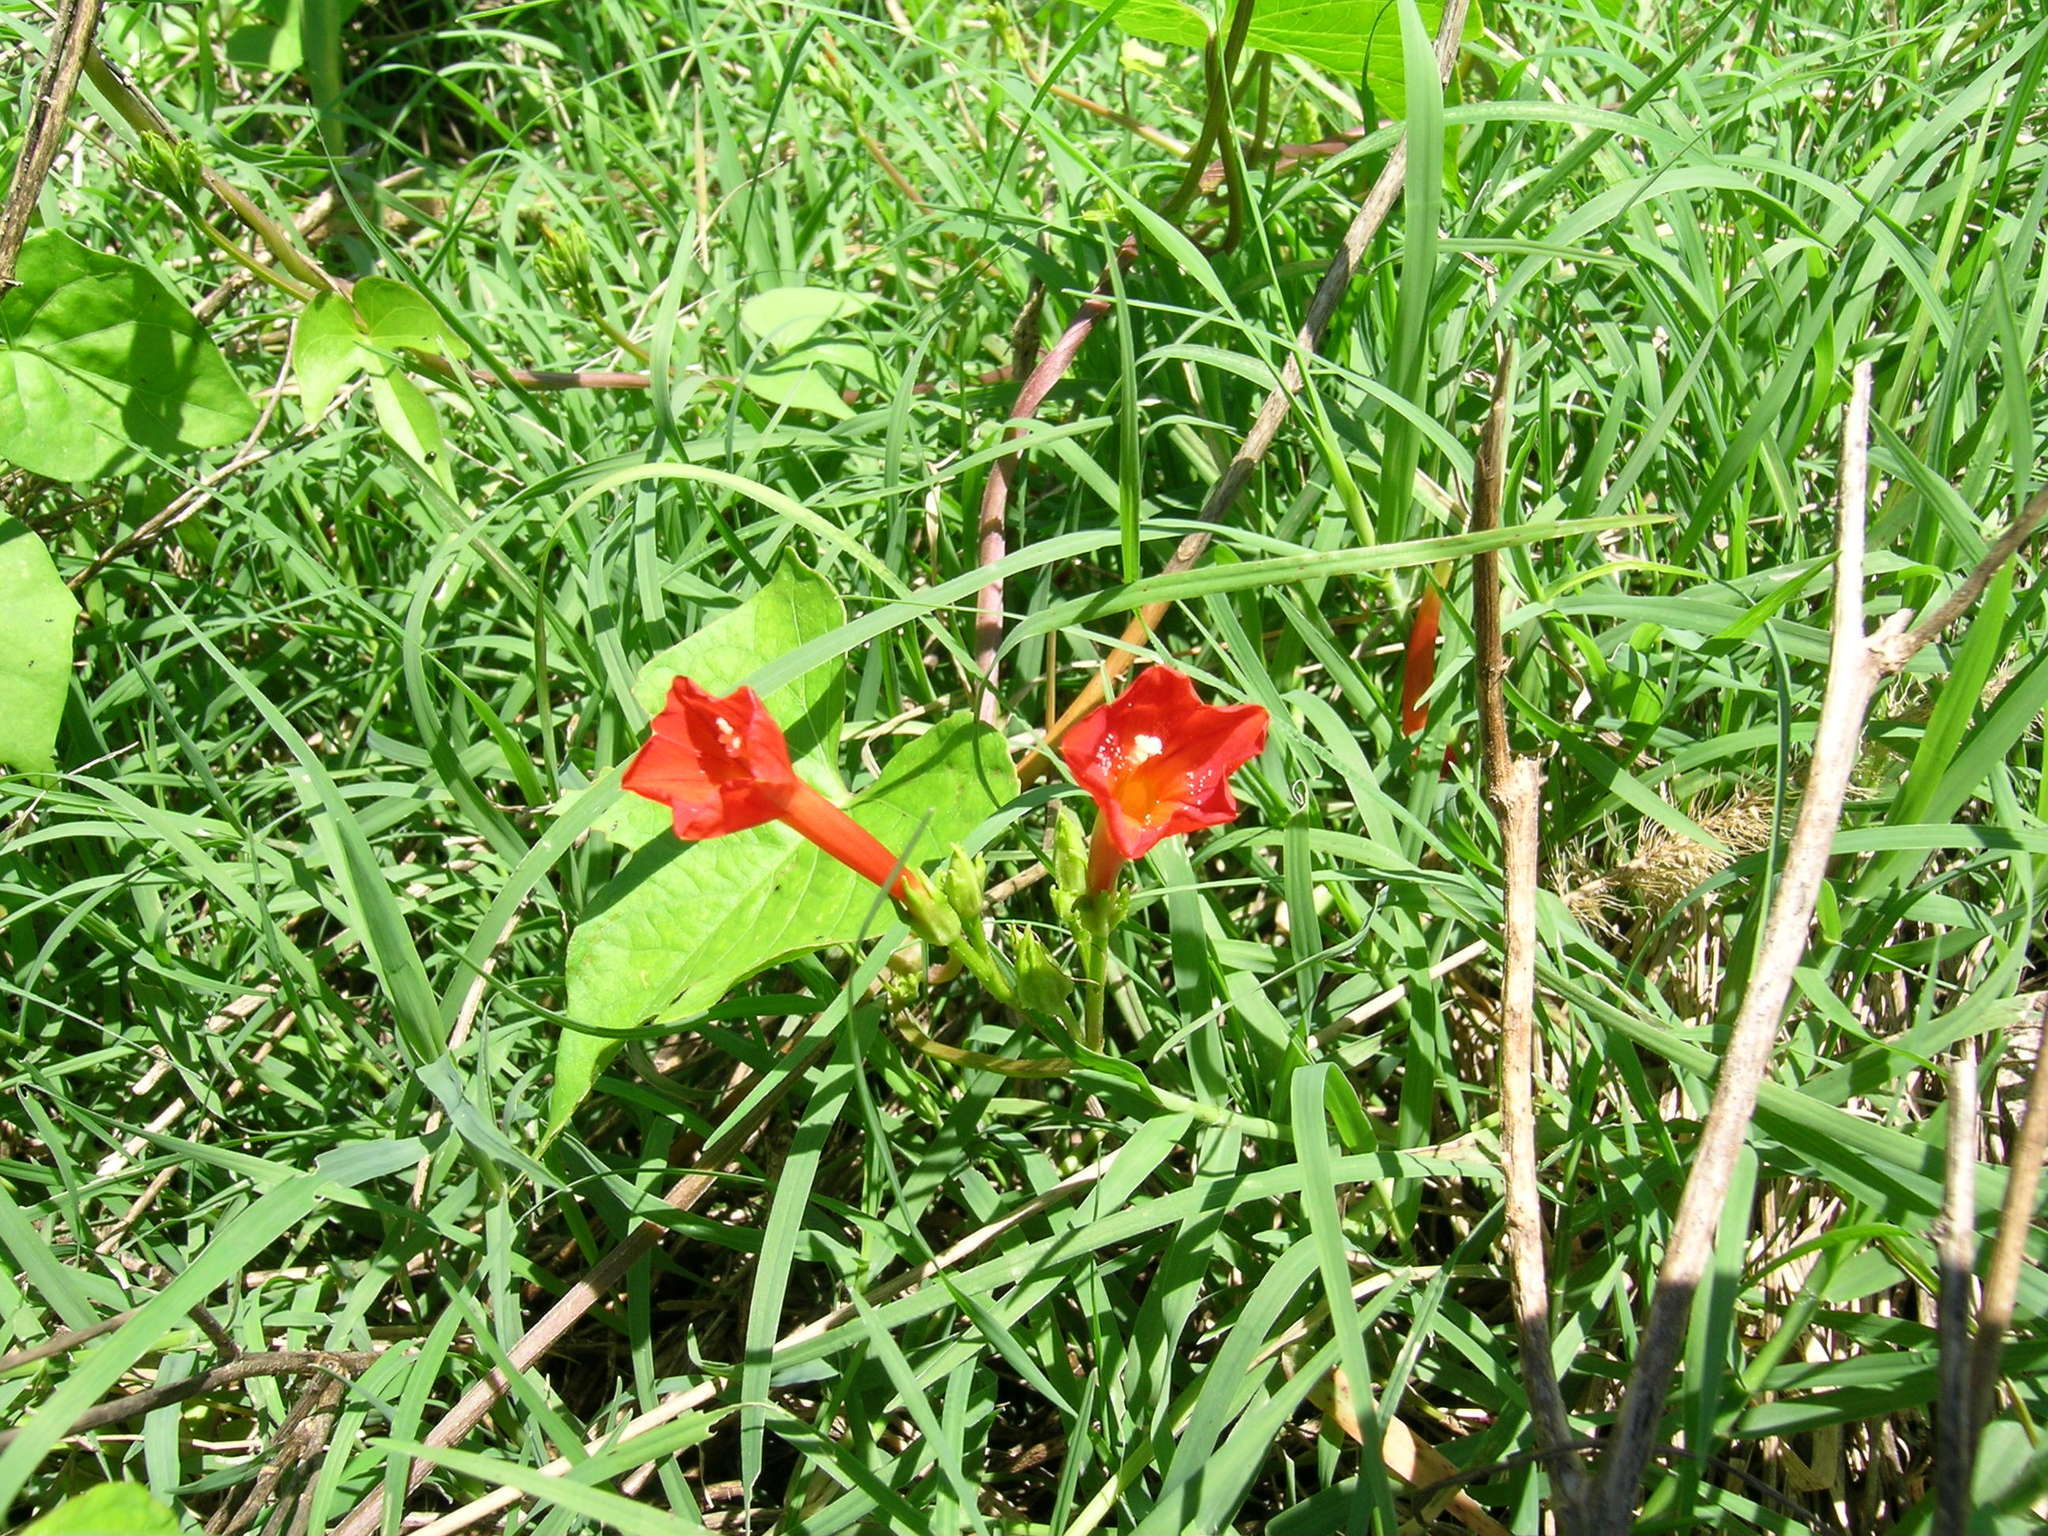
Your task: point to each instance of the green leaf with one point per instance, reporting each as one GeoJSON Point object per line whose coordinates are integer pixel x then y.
{"type": "Point", "coordinates": [789, 317]}
{"type": "Point", "coordinates": [394, 315]}
{"type": "Point", "coordinates": [37, 614]}
{"type": "Point", "coordinates": [112, 1509]}
{"type": "Point", "coordinates": [326, 353]}
{"type": "Point", "coordinates": [411, 423]}
{"type": "Point", "coordinates": [1159, 21]}
{"type": "Point", "coordinates": [684, 922]}
{"type": "Point", "coordinates": [1349, 38]}
{"type": "Point", "coordinates": [98, 358]}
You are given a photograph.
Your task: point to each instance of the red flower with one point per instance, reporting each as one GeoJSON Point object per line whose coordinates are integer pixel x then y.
{"type": "Point", "coordinates": [721, 765]}
{"type": "Point", "coordinates": [1157, 762]}
{"type": "Point", "coordinates": [1418, 668]}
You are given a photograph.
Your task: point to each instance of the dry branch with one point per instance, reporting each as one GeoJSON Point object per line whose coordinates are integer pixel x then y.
{"type": "Point", "coordinates": [70, 41]}
{"type": "Point", "coordinates": [1514, 788]}
{"type": "Point", "coordinates": [1857, 664]}
{"type": "Point", "coordinates": [2009, 1248]}
{"type": "Point", "coordinates": [1955, 1254]}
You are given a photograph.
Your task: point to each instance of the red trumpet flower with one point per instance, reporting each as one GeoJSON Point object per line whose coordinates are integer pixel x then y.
{"type": "Point", "coordinates": [1418, 667]}
{"type": "Point", "coordinates": [721, 765]}
{"type": "Point", "coordinates": [1157, 762]}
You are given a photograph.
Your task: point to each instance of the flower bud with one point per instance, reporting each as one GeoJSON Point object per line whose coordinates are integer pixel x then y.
{"type": "Point", "coordinates": [1042, 987]}
{"type": "Point", "coordinates": [931, 918]}
{"type": "Point", "coordinates": [1069, 853]}
{"type": "Point", "coordinates": [168, 169]}
{"type": "Point", "coordinates": [964, 885]}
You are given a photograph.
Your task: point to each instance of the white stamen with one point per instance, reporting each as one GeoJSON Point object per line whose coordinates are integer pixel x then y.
{"type": "Point", "coordinates": [1147, 747]}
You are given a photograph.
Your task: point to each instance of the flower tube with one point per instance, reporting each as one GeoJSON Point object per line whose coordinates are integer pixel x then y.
{"type": "Point", "coordinates": [722, 765]}
{"type": "Point", "coordinates": [1157, 762]}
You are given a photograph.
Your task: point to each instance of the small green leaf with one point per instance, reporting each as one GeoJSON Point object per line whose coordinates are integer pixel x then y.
{"type": "Point", "coordinates": [685, 922]}
{"type": "Point", "coordinates": [789, 317]}
{"type": "Point", "coordinates": [326, 353]}
{"type": "Point", "coordinates": [1159, 21]}
{"type": "Point", "coordinates": [397, 316]}
{"type": "Point", "coordinates": [37, 615]}
{"type": "Point", "coordinates": [112, 1509]}
{"type": "Point", "coordinates": [411, 423]}
{"type": "Point", "coordinates": [97, 358]}
{"type": "Point", "coordinates": [1349, 38]}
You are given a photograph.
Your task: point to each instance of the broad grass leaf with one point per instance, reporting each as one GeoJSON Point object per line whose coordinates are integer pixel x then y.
{"type": "Point", "coordinates": [98, 358]}
{"type": "Point", "coordinates": [37, 615]}
{"type": "Point", "coordinates": [684, 922]}
{"type": "Point", "coordinates": [326, 353]}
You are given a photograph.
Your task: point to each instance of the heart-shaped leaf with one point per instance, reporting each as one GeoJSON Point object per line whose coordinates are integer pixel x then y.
{"type": "Point", "coordinates": [396, 316]}
{"type": "Point", "coordinates": [684, 922]}
{"type": "Point", "coordinates": [326, 352]}
{"type": "Point", "coordinates": [1160, 21]}
{"type": "Point", "coordinates": [789, 317]}
{"type": "Point", "coordinates": [37, 615]}
{"type": "Point", "coordinates": [97, 357]}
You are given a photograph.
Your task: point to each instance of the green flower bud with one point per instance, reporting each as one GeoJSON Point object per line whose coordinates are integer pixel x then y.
{"type": "Point", "coordinates": [964, 885]}
{"type": "Point", "coordinates": [563, 264]}
{"type": "Point", "coordinates": [1042, 987]}
{"type": "Point", "coordinates": [931, 918]}
{"type": "Point", "coordinates": [171, 170]}
{"type": "Point", "coordinates": [1069, 853]}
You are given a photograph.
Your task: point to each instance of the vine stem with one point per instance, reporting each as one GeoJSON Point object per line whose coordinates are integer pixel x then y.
{"type": "Point", "coordinates": [1344, 265]}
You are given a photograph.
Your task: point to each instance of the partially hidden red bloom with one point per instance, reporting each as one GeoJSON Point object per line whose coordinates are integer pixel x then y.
{"type": "Point", "coordinates": [1418, 667]}
{"type": "Point", "coordinates": [1157, 762]}
{"type": "Point", "coordinates": [721, 765]}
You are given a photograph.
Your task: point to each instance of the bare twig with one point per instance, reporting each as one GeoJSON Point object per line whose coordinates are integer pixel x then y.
{"type": "Point", "coordinates": [1514, 787]}
{"type": "Point", "coordinates": [1955, 1253]}
{"type": "Point", "coordinates": [1365, 225]}
{"type": "Point", "coordinates": [2009, 1248]}
{"type": "Point", "coordinates": [70, 41]}
{"type": "Point", "coordinates": [1856, 665]}
{"type": "Point", "coordinates": [284, 1362]}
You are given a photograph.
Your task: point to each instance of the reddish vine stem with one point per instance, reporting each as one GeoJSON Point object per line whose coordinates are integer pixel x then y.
{"type": "Point", "coordinates": [1003, 475]}
{"type": "Point", "coordinates": [992, 527]}
{"type": "Point", "coordinates": [1365, 225]}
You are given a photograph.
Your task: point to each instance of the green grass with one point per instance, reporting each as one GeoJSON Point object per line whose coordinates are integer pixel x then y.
{"type": "Point", "coordinates": [306, 819]}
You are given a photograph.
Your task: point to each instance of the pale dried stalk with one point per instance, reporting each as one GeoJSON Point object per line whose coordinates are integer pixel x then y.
{"type": "Point", "coordinates": [70, 41]}
{"type": "Point", "coordinates": [1955, 1253]}
{"type": "Point", "coordinates": [1514, 787]}
{"type": "Point", "coordinates": [1365, 225]}
{"type": "Point", "coordinates": [2009, 1249]}
{"type": "Point", "coordinates": [1856, 665]}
